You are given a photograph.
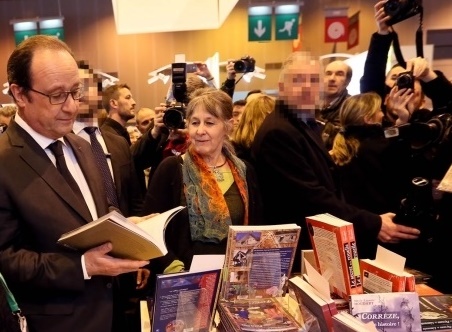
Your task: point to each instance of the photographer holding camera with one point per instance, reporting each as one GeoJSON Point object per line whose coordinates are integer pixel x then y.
{"type": "Point", "coordinates": [433, 83]}
{"type": "Point", "coordinates": [167, 135]}
{"type": "Point", "coordinates": [427, 132]}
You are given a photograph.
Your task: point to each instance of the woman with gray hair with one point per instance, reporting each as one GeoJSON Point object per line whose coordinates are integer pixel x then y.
{"type": "Point", "coordinates": [218, 188]}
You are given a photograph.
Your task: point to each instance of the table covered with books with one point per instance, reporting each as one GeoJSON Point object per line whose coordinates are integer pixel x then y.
{"type": "Point", "coordinates": [254, 290]}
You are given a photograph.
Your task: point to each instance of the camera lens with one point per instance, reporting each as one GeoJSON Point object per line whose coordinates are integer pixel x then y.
{"type": "Point", "coordinates": [405, 81]}
{"type": "Point", "coordinates": [174, 118]}
{"type": "Point", "coordinates": [391, 7]}
{"type": "Point", "coordinates": [240, 66]}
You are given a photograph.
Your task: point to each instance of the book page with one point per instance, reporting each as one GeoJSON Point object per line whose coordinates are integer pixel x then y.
{"type": "Point", "coordinates": [206, 262]}
{"type": "Point", "coordinates": [155, 226]}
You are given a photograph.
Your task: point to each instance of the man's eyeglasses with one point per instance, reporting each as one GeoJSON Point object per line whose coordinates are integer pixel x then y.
{"type": "Point", "coordinates": [61, 97]}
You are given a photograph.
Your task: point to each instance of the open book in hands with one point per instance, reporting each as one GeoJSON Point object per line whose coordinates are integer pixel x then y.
{"type": "Point", "coordinates": [142, 241]}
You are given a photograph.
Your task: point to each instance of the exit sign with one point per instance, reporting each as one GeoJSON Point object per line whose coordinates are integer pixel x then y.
{"type": "Point", "coordinates": [260, 23]}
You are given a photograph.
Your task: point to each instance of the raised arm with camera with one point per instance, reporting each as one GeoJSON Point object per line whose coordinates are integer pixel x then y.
{"type": "Point", "coordinates": [228, 85]}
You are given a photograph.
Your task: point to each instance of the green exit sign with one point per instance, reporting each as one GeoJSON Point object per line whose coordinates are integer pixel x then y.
{"type": "Point", "coordinates": [260, 23]}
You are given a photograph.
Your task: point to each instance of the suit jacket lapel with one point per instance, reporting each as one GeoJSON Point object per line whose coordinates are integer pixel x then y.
{"type": "Point", "coordinates": [87, 163]}
{"type": "Point", "coordinates": [36, 158]}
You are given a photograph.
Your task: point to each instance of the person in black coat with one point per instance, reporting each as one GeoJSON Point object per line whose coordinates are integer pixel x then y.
{"type": "Point", "coordinates": [296, 174]}
{"type": "Point", "coordinates": [374, 171]}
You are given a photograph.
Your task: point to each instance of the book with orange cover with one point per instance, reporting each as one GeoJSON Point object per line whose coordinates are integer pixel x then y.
{"type": "Point", "coordinates": [332, 240]}
{"type": "Point", "coordinates": [377, 279]}
{"type": "Point", "coordinates": [386, 273]}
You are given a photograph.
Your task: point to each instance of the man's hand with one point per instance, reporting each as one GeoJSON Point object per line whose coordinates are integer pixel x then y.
{"type": "Point", "coordinates": [230, 70]}
{"type": "Point", "coordinates": [398, 102]}
{"type": "Point", "coordinates": [381, 18]}
{"type": "Point", "coordinates": [391, 232]}
{"type": "Point", "coordinates": [203, 71]}
{"type": "Point", "coordinates": [421, 69]}
{"type": "Point", "coordinates": [158, 120]}
{"type": "Point", "coordinates": [98, 262]}
{"type": "Point", "coordinates": [143, 277]}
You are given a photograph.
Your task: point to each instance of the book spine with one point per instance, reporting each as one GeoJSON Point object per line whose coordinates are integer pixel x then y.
{"type": "Point", "coordinates": [355, 259]}
{"type": "Point", "coordinates": [410, 283]}
{"type": "Point", "coordinates": [347, 257]}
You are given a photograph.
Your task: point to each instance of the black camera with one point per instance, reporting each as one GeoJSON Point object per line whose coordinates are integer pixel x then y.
{"type": "Point", "coordinates": [174, 117]}
{"type": "Point", "coordinates": [400, 10]}
{"type": "Point", "coordinates": [417, 209]}
{"type": "Point", "coordinates": [420, 135]}
{"type": "Point", "coordinates": [405, 80]}
{"type": "Point", "coordinates": [244, 65]}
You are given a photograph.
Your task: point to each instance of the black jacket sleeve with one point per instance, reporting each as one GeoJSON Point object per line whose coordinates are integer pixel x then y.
{"type": "Point", "coordinates": [374, 75]}
{"type": "Point", "coordinates": [228, 86]}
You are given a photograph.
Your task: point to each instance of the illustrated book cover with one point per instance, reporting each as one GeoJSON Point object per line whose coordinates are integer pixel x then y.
{"type": "Point", "coordinates": [185, 301]}
{"type": "Point", "coordinates": [334, 244]}
{"type": "Point", "coordinates": [257, 315]}
{"type": "Point", "coordinates": [436, 312]}
{"type": "Point", "coordinates": [258, 261]}
{"type": "Point", "coordinates": [390, 312]}
{"type": "Point", "coordinates": [142, 241]}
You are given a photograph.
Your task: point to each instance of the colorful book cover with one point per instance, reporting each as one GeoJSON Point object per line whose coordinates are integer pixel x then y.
{"type": "Point", "coordinates": [185, 301]}
{"type": "Point", "coordinates": [436, 312]}
{"type": "Point", "coordinates": [390, 312]}
{"type": "Point", "coordinates": [259, 261]}
{"type": "Point", "coordinates": [258, 315]}
{"type": "Point", "coordinates": [334, 254]}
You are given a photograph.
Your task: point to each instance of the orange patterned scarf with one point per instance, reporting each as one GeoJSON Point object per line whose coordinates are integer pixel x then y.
{"type": "Point", "coordinates": [207, 209]}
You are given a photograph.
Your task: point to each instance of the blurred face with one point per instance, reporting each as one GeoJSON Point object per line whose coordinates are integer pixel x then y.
{"type": "Point", "coordinates": [126, 104]}
{"type": "Point", "coordinates": [207, 133]}
{"type": "Point", "coordinates": [92, 99]}
{"type": "Point", "coordinates": [144, 118]}
{"type": "Point", "coordinates": [335, 79]}
{"type": "Point", "coordinates": [301, 87]}
{"type": "Point", "coordinates": [52, 72]}
{"type": "Point", "coordinates": [237, 112]}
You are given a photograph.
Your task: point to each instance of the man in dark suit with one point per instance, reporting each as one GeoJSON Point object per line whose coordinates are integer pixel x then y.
{"type": "Point", "coordinates": [58, 289]}
{"type": "Point", "coordinates": [296, 174]}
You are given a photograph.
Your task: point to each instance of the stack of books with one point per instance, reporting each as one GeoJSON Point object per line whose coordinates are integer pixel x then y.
{"type": "Point", "coordinates": [258, 264]}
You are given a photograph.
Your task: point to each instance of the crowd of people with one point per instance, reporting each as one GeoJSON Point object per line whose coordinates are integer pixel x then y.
{"type": "Point", "coordinates": [261, 160]}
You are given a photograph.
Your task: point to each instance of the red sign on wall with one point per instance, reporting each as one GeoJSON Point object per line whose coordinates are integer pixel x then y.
{"type": "Point", "coordinates": [336, 29]}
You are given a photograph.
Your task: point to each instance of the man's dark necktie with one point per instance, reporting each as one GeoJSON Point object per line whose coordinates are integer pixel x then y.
{"type": "Point", "coordinates": [101, 161]}
{"type": "Point", "coordinates": [57, 150]}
